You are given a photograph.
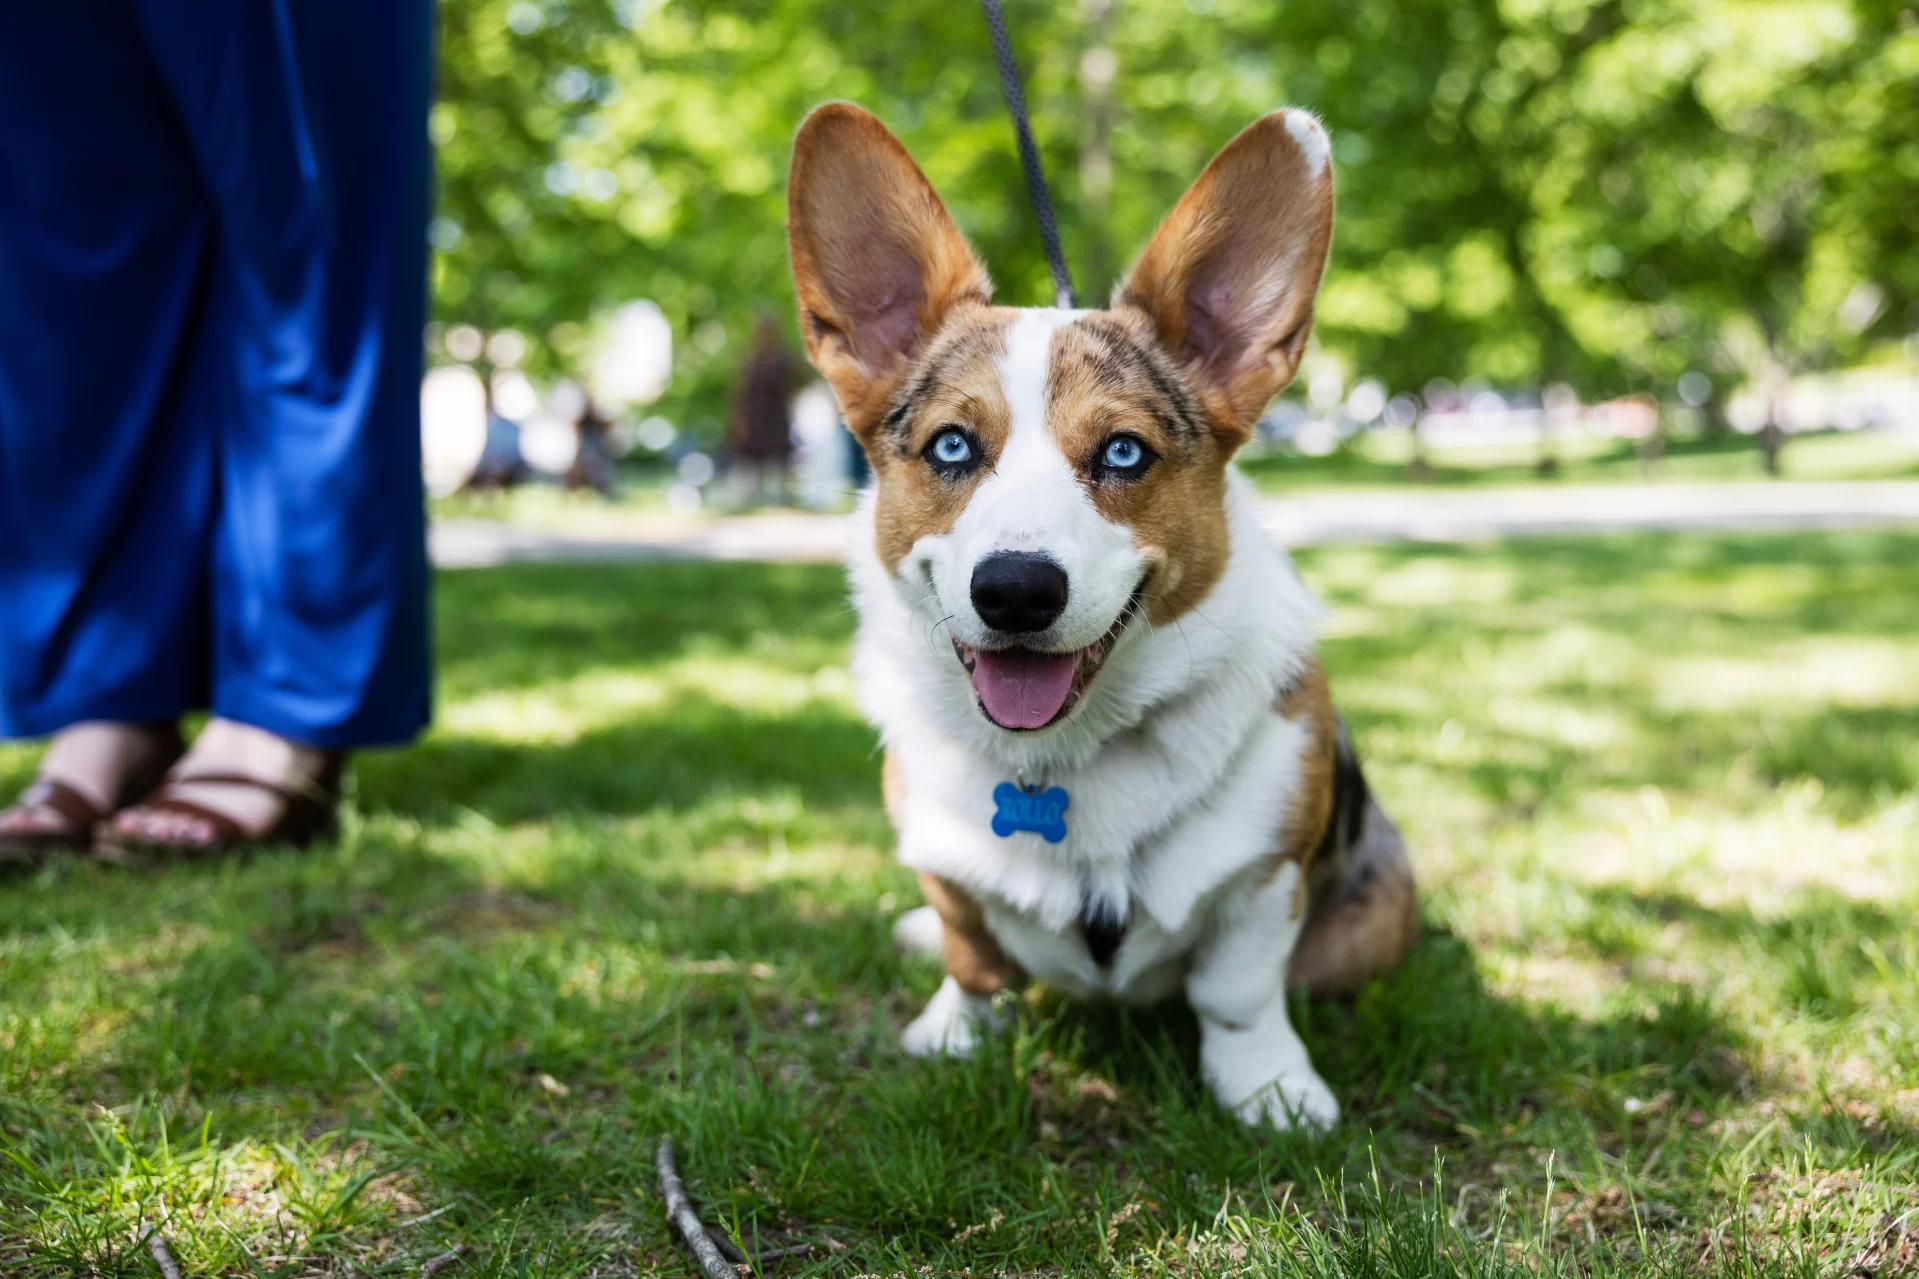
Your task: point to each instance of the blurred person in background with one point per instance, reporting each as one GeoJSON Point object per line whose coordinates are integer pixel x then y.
{"type": "Point", "coordinates": [212, 290]}
{"type": "Point", "coordinates": [760, 438]}
{"type": "Point", "coordinates": [593, 466]}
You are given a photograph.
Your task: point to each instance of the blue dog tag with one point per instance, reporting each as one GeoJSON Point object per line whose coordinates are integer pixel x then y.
{"type": "Point", "coordinates": [1041, 811]}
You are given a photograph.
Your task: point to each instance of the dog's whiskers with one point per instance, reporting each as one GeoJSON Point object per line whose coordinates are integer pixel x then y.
{"type": "Point", "coordinates": [1231, 638]}
{"type": "Point", "coordinates": [933, 630]}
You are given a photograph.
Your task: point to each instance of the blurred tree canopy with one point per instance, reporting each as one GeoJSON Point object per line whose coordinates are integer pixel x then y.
{"type": "Point", "coordinates": [1607, 192]}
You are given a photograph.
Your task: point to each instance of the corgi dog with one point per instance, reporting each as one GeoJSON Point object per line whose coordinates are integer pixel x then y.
{"type": "Point", "coordinates": [1110, 751]}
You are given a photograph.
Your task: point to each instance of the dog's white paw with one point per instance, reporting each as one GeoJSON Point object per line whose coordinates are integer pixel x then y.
{"type": "Point", "coordinates": [1262, 1074]}
{"type": "Point", "coordinates": [919, 931]}
{"type": "Point", "coordinates": [1294, 1102]}
{"type": "Point", "coordinates": [952, 1025]}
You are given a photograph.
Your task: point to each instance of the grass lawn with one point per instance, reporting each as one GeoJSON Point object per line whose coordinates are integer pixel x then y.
{"type": "Point", "coordinates": [1664, 1016]}
{"type": "Point", "coordinates": [1380, 458]}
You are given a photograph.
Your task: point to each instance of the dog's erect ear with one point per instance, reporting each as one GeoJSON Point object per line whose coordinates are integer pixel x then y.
{"type": "Point", "coordinates": [1229, 277]}
{"type": "Point", "coordinates": [876, 257]}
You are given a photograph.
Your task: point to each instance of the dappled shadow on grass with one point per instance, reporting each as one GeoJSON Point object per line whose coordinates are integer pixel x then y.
{"type": "Point", "coordinates": [1640, 583]}
{"type": "Point", "coordinates": [1426, 1059]}
{"type": "Point", "coordinates": [1726, 456]}
{"type": "Point", "coordinates": [673, 758]}
{"type": "Point", "coordinates": [1822, 944]}
{"type": "Point", "coordinates": [1587, 664]}
{"type": "Point", "coordinates": [1859, 755]}
{"type": "Point", "coordinates": [468, 988]}
{"type": "Point", "coordinates": [406, 995]}
{"type": "Point", "coordinates": [676, 916]}
{"type": "Point", "coordinates": [517, 627]}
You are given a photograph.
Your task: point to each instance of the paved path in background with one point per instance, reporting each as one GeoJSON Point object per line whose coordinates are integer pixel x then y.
{"type": "Point", "coordinates": [1417, 515]}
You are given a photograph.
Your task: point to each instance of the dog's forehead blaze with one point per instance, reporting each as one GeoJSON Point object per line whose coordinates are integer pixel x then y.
{"type": "Point", "coordinates": [955, 379]}
{"type": "Point", "coordinates": [1105, 373]}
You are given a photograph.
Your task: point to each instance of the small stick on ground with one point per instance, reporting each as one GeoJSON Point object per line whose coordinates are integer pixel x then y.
{"type": "Point", "coordinates": [163, 1255]}
{"type": "Point", "coordinates": [737, 1255]}
{"type": "Point", "coordinates": [435, 1265]}
{"type": "Point", "coordinates": [680, 1212]}
{"type": "Point", "coordinates": [725, 1246]}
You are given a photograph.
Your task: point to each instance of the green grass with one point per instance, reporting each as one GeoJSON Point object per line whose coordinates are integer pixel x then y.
{"type": "Point", "coordinates": [1664, 1016]}
{"type": "Point", "coordinates": [1380, 459]}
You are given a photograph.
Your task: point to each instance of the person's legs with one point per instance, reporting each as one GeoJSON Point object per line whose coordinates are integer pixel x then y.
{"type": "Point", "coordinates": [106, 476]}
{"type": "Point", "coordinates": [309, 117]}
{"type": "Point", "coordinates": [107, 492]}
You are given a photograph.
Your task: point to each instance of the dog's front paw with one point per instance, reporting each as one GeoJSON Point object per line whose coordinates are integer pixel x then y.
{"type": "Point", "coordinates": [919, 931]}
{"type": "Point", "coordinates": [1294, 1102]}
{"type": "Point", "coordinates": [952, 1025]}
{"type": "Point", "coordinates": [1262, 1074]}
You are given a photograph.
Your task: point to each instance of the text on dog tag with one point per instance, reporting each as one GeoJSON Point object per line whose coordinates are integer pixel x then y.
{"type": "Point", "coordinates": [1041, 811]}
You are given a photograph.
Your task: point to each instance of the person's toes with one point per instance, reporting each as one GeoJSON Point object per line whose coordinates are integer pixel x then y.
{"type": "Point", "coordinates": [34, 820]}
{"type": "Point", "coordinates": [163, 827]}
{"type": "Point", "coordinates": [134, 822]}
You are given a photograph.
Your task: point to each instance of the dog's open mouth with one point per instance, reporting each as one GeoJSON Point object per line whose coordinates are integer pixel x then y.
{"type": "Point", "coordinates": [1025, 689]}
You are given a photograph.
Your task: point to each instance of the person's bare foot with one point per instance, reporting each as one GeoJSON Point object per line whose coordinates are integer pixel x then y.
{"type": "Point", "coordinates": [238, 784]}
{"type": "Point", "coordinates": [89, 770]}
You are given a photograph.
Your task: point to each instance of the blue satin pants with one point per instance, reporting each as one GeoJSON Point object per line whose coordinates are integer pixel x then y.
{"type": "Point", "coordinates": [212, 291]}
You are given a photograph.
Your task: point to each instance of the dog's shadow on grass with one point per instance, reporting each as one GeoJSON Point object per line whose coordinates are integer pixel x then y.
{"type": "Point", "coordinates": [1427, 1059]}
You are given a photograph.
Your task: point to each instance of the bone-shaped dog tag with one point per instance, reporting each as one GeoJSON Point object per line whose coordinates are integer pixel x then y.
{"type": "Point", "coordinates": [1020, 808]}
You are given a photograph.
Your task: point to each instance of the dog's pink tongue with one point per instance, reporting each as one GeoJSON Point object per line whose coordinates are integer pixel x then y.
{"type": "Point", "coordinates": [1021, 688]}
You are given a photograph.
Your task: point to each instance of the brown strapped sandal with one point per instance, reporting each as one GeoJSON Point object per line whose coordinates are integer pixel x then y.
{"type": "Point", "coordinates": [80, 820]}
{"type": "Point", "coordinates": [309, 813]}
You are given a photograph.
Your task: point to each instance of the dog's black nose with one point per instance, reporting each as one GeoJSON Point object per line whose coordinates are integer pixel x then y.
{"type": "Point", "coordinates": [1018, 592]}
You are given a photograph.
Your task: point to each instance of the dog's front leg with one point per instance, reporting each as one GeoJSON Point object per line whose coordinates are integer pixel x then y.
{"type": "Point", "coordinates": [976, 969]}
{"type": "Point", "coordinates": [1250, 1054]}
{"type": "Point", "coordinates": [951, 1024]}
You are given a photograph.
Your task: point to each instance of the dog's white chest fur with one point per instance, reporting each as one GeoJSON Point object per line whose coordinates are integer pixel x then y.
{"type": "Point", "coordinates": [1178, 785]}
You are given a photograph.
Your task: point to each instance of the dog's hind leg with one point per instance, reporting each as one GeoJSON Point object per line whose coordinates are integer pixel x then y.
{"type": "Point", "coordinates": [1364, 910]}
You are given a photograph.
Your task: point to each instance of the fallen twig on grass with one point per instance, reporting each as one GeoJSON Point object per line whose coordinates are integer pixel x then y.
{"type": "Point", "coordinates": [761, 1256]}
{"type": "Point", "coordinates": [162, 1254]}
{"type": "Point", "coordinates": [679, 1210]}
{"type": "Point", "coordinates": [423, 1218]}
{"type": "Point", "coordinates": [435, 1265]}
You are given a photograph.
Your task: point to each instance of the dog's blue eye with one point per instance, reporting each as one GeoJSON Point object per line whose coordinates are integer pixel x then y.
{"type": "Point", "coordinates": [1123, 453]}
{"type": "Point", "coordinates": [951, 448]}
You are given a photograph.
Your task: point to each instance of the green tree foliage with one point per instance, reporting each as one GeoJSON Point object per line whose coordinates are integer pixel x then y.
{"type": "Point", "coordinates": [1724, 190]}
{"type": "Point", "coordinates": [1603, 191]}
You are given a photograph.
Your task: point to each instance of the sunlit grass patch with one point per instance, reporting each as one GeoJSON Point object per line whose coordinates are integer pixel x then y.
{"type": "Point", "coordinates": [1382, 457]}
{"type": "Point", "coordinates": [1662, 795]}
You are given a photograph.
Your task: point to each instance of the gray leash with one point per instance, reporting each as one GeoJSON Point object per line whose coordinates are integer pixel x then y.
{"type": "Point", "coordinates": [1028, 153]}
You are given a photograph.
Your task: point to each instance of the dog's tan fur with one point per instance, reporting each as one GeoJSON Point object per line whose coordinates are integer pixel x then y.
{"type": "Point", "coordinates": [961, 385]}
{"type": "Point", "coordinates": [1235, 213]}
{"type": "Point", "coordinates": [1310, 700]}
{"type": "Point", "coordinates": [967, 949]}
{"type": "Point", "coordinates": [969, 952]}
{"type": "Point", "coordinates": [860, 211]}
{"type": "Point", "coordinates": [1177, 512]}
